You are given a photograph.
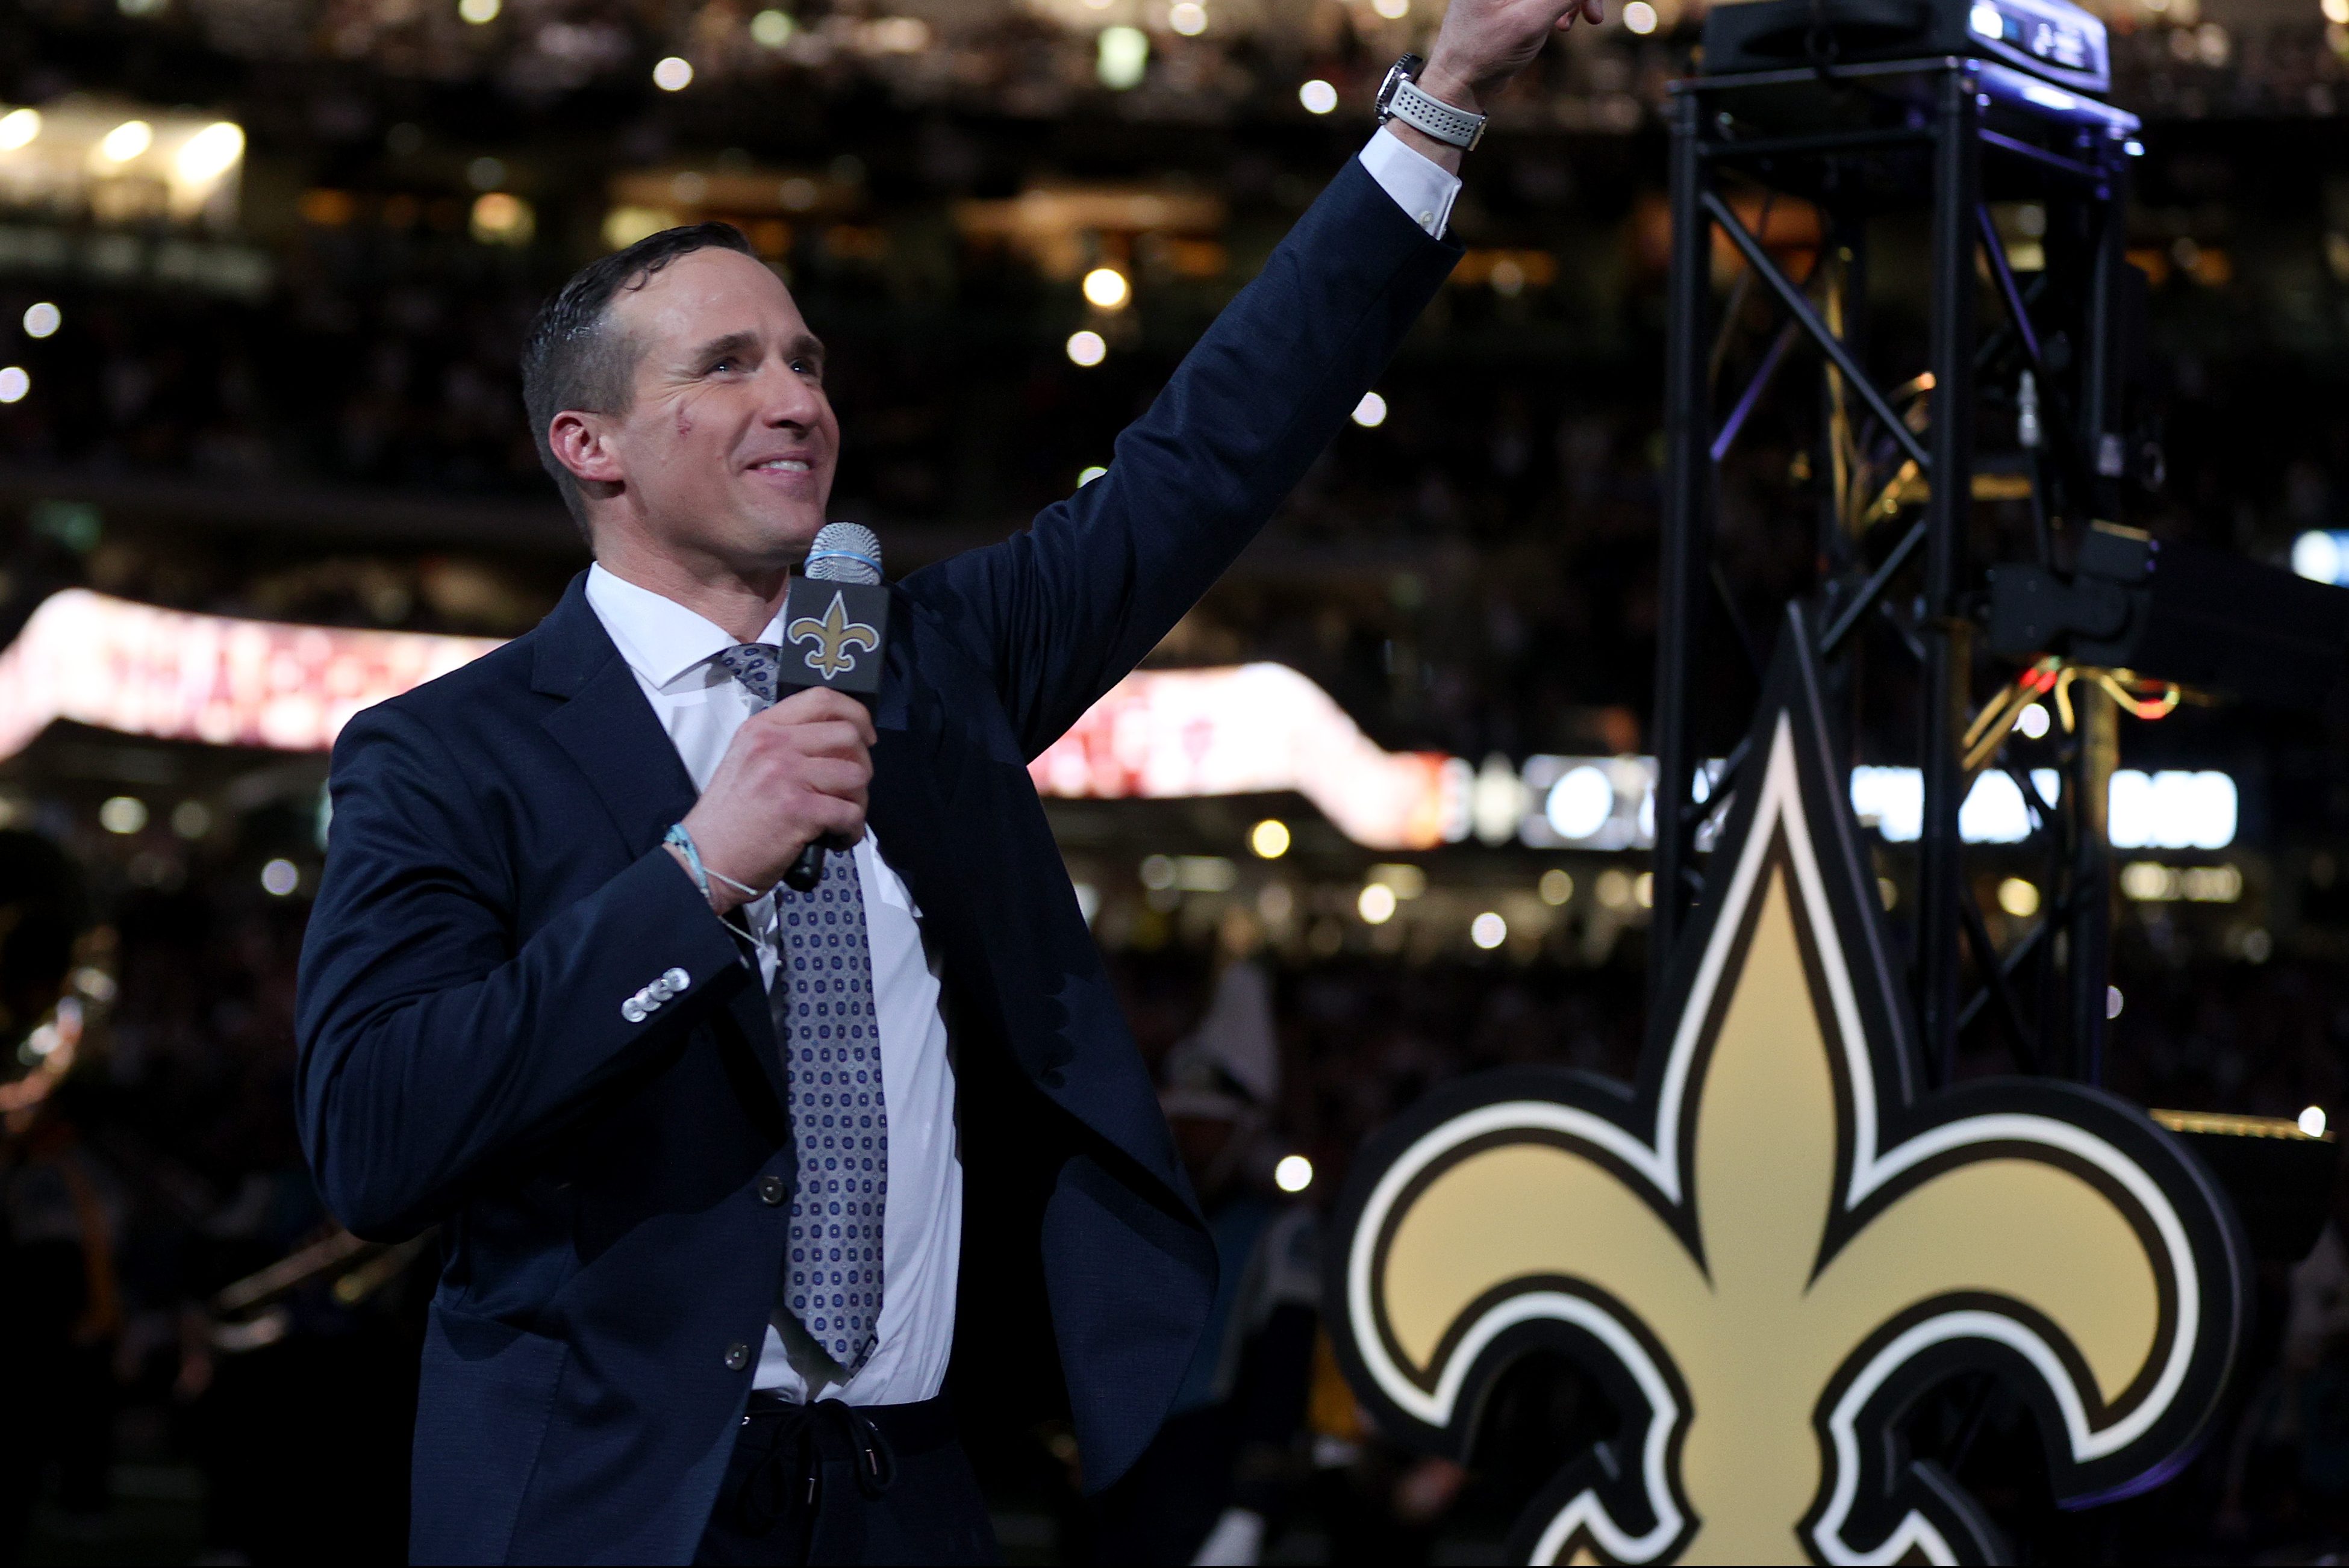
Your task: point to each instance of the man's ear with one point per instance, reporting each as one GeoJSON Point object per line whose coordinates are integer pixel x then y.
{"type": "Point", "coordinates": [582, 442]}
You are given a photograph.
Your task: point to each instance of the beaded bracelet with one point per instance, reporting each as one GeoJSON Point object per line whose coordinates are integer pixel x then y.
{"type": "Point", "coordinates": [678, 836]}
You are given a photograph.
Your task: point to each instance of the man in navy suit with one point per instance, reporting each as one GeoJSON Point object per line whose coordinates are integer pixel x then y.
{"type": "Point", "coordinates": [726, 1171]}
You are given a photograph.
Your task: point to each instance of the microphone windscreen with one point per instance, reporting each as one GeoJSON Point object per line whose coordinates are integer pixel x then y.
{"type": "Point", "coordinates": [844, 553]}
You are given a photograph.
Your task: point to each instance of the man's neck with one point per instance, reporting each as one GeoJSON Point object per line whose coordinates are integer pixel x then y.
{"type": "Point", "coordinates": [741, 604]}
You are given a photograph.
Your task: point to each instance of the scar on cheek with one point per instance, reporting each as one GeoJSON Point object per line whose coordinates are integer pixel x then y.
{"type": "Point", "coordinates": [684, 421]}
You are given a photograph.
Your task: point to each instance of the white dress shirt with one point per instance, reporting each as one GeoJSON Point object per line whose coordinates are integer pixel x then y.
{"type": "Point", "coordinates": [1419, 186]}
{"type": "Point", "coordinates": [670, 650]}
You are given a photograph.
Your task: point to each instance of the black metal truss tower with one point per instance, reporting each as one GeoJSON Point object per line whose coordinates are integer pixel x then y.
{"type": "Point", "coordinates": [1898, 471]}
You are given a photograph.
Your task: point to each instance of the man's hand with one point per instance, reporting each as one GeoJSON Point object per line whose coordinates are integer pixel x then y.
{"type": "Point", "coordinates": [793, 773]}
{"type": "Point", "coordinates": [1484, 42]}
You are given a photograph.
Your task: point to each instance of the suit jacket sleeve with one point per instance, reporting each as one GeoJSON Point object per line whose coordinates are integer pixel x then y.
{"type": "Point", "coordinates": [1060, 612]}
{"type": "Point", "coordinates": [432, 1040]}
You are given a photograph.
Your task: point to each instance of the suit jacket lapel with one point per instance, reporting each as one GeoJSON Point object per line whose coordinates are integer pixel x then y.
{"type": "Point", "coordinates": [906, 813]}
{"type": "Point", "coordinates": [901, 808]}
{"type": "Point", "coordinates": [910, 814]}
{"type": "Point", "coordinates": [612, 733]}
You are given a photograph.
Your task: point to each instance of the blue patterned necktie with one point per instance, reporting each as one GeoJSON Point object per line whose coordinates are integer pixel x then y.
{"type": "Point", "coordinates": [831, 1041]}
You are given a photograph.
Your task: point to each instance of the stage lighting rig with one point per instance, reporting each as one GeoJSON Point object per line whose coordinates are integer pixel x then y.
{"type": "Point", "coordinates": [2177, 611]}
{"type": "Point", "coordinates": [2048, 38]}
{"type": "Point", "coordinates": [1871, 115]}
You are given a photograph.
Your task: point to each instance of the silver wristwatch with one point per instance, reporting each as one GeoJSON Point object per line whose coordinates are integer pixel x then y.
{"type": "Point", "coordinates": [1399, 99]}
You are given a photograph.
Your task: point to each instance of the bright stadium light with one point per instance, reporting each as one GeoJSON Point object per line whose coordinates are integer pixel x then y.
{"type": "Point", "coordinates": [1187, 17]}
{"type": "Point", "coordinates": [2172, 810]}
{"type": "Point", "coordinates": [2018, 898]}
{"type": "Point", "coordinates": [673, 75]}
{"type": "Point", "coordinates": [1121, 55]}
{"type": "Point", "coordinates": [1892, 800]}
{"type": "Point", "coordinates": [18, 127]}
{"type": "Point", "coordinates": [1106, 289]}
{"type": "Point", "coordinates": [772, 29]}
{"type": "Point", "coordinates": [1377, 904]}
{"type": "Point", "coordinates": [211, 152]}
{"type": "Point", "coordinates": [480, 13]}
{"type": "Point", "coordinates": [1269, 838]}
{"type": "Point", "coordinates": [280, 878]}
{"type": "Point", "coordinates": [1640, 16]}
{"type": "Point", "coordinates": [2312, 1121]}
{"type": "Point", "coordinates": [1488, 931]}
{"type": "Point", "coordinates": [1993, 811]}
{"type": "Point", "coordinates": [1318, 97]}
{"type": "Point", "coordinates": [1087, 349]}
{"type": "Point", "coordinates": [1293, 1174]}
{"type": "Point", "coordinates": [1371, 412]}
{"type": "Point", "coordinates": [126, 141]}
{"type": "Point", "coordinates": [1580, 803]}
{"type": "Point", "coordinates": [2320, 555]}
{"type": "Point", "coordinates": [14, 384]}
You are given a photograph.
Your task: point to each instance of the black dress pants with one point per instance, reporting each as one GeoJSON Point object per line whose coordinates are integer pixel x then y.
{"type": "Point", "coordinates": [834, 1483]}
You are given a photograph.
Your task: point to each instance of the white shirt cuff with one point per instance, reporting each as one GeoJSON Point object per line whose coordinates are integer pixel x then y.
{"type": "Point", "coordinates": [1421, 187]}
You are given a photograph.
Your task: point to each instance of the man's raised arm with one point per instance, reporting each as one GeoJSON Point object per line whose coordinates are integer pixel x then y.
{"type": "Point", "coordinates": [1060, 612]}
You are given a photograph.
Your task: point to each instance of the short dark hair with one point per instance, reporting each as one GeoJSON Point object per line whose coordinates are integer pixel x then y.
{"type": "Point", "coordinates": [572, 358]}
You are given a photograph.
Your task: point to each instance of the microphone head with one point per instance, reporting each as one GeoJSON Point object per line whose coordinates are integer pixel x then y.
{"type": "Point", "coordinates": [844, 553]}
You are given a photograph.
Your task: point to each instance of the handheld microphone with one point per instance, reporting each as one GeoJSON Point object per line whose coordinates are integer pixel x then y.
{"type": "Point", "coordinates": [836, 628]}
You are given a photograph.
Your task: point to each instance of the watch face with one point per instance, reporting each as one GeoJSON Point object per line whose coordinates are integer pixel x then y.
{"type": "Point", "coordinates": [1403, 70]}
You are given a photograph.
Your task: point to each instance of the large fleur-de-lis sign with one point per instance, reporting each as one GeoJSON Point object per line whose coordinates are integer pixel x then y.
{"type": "Point", "coordinates": [1774, 1244]}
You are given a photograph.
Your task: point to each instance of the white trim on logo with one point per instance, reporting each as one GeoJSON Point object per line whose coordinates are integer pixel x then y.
{"type": "Point", "coordinates": [1659, 1164]}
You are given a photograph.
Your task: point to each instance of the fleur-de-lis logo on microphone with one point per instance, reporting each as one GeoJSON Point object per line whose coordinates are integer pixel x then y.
{"type": "Point", "coordinates": [832, 636]}
{"type": "Point", "coordinates": [1775, 1247]}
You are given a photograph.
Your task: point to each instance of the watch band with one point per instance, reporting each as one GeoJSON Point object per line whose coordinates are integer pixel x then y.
{"type": "Point", "coordinates": [1453, 127]}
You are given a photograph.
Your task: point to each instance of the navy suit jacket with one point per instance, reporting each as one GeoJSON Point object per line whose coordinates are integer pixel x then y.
{"type": "Point", "coordinates": [495, 888]}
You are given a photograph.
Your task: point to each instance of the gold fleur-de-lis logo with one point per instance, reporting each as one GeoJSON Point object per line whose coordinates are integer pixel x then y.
{"type": "Point", "coordinates": [832, 636]}
{"type": "Point", "coordinates": [1769, 1250]}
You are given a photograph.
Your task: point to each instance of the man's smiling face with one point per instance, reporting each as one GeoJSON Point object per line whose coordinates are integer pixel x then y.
{"type": "Point", "coordinates": [728, 447]}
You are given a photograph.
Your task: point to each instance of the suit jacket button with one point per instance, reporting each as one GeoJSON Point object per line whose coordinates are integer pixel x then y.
{"type": "Point", "coordinates": [738, 1355]}
{"type": "Point", "coordinates": [634, 1010]}
{"type": "Point", "coordinates": [771, 1190]}
{"type": "Point", "coordinates": [676, 980]}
